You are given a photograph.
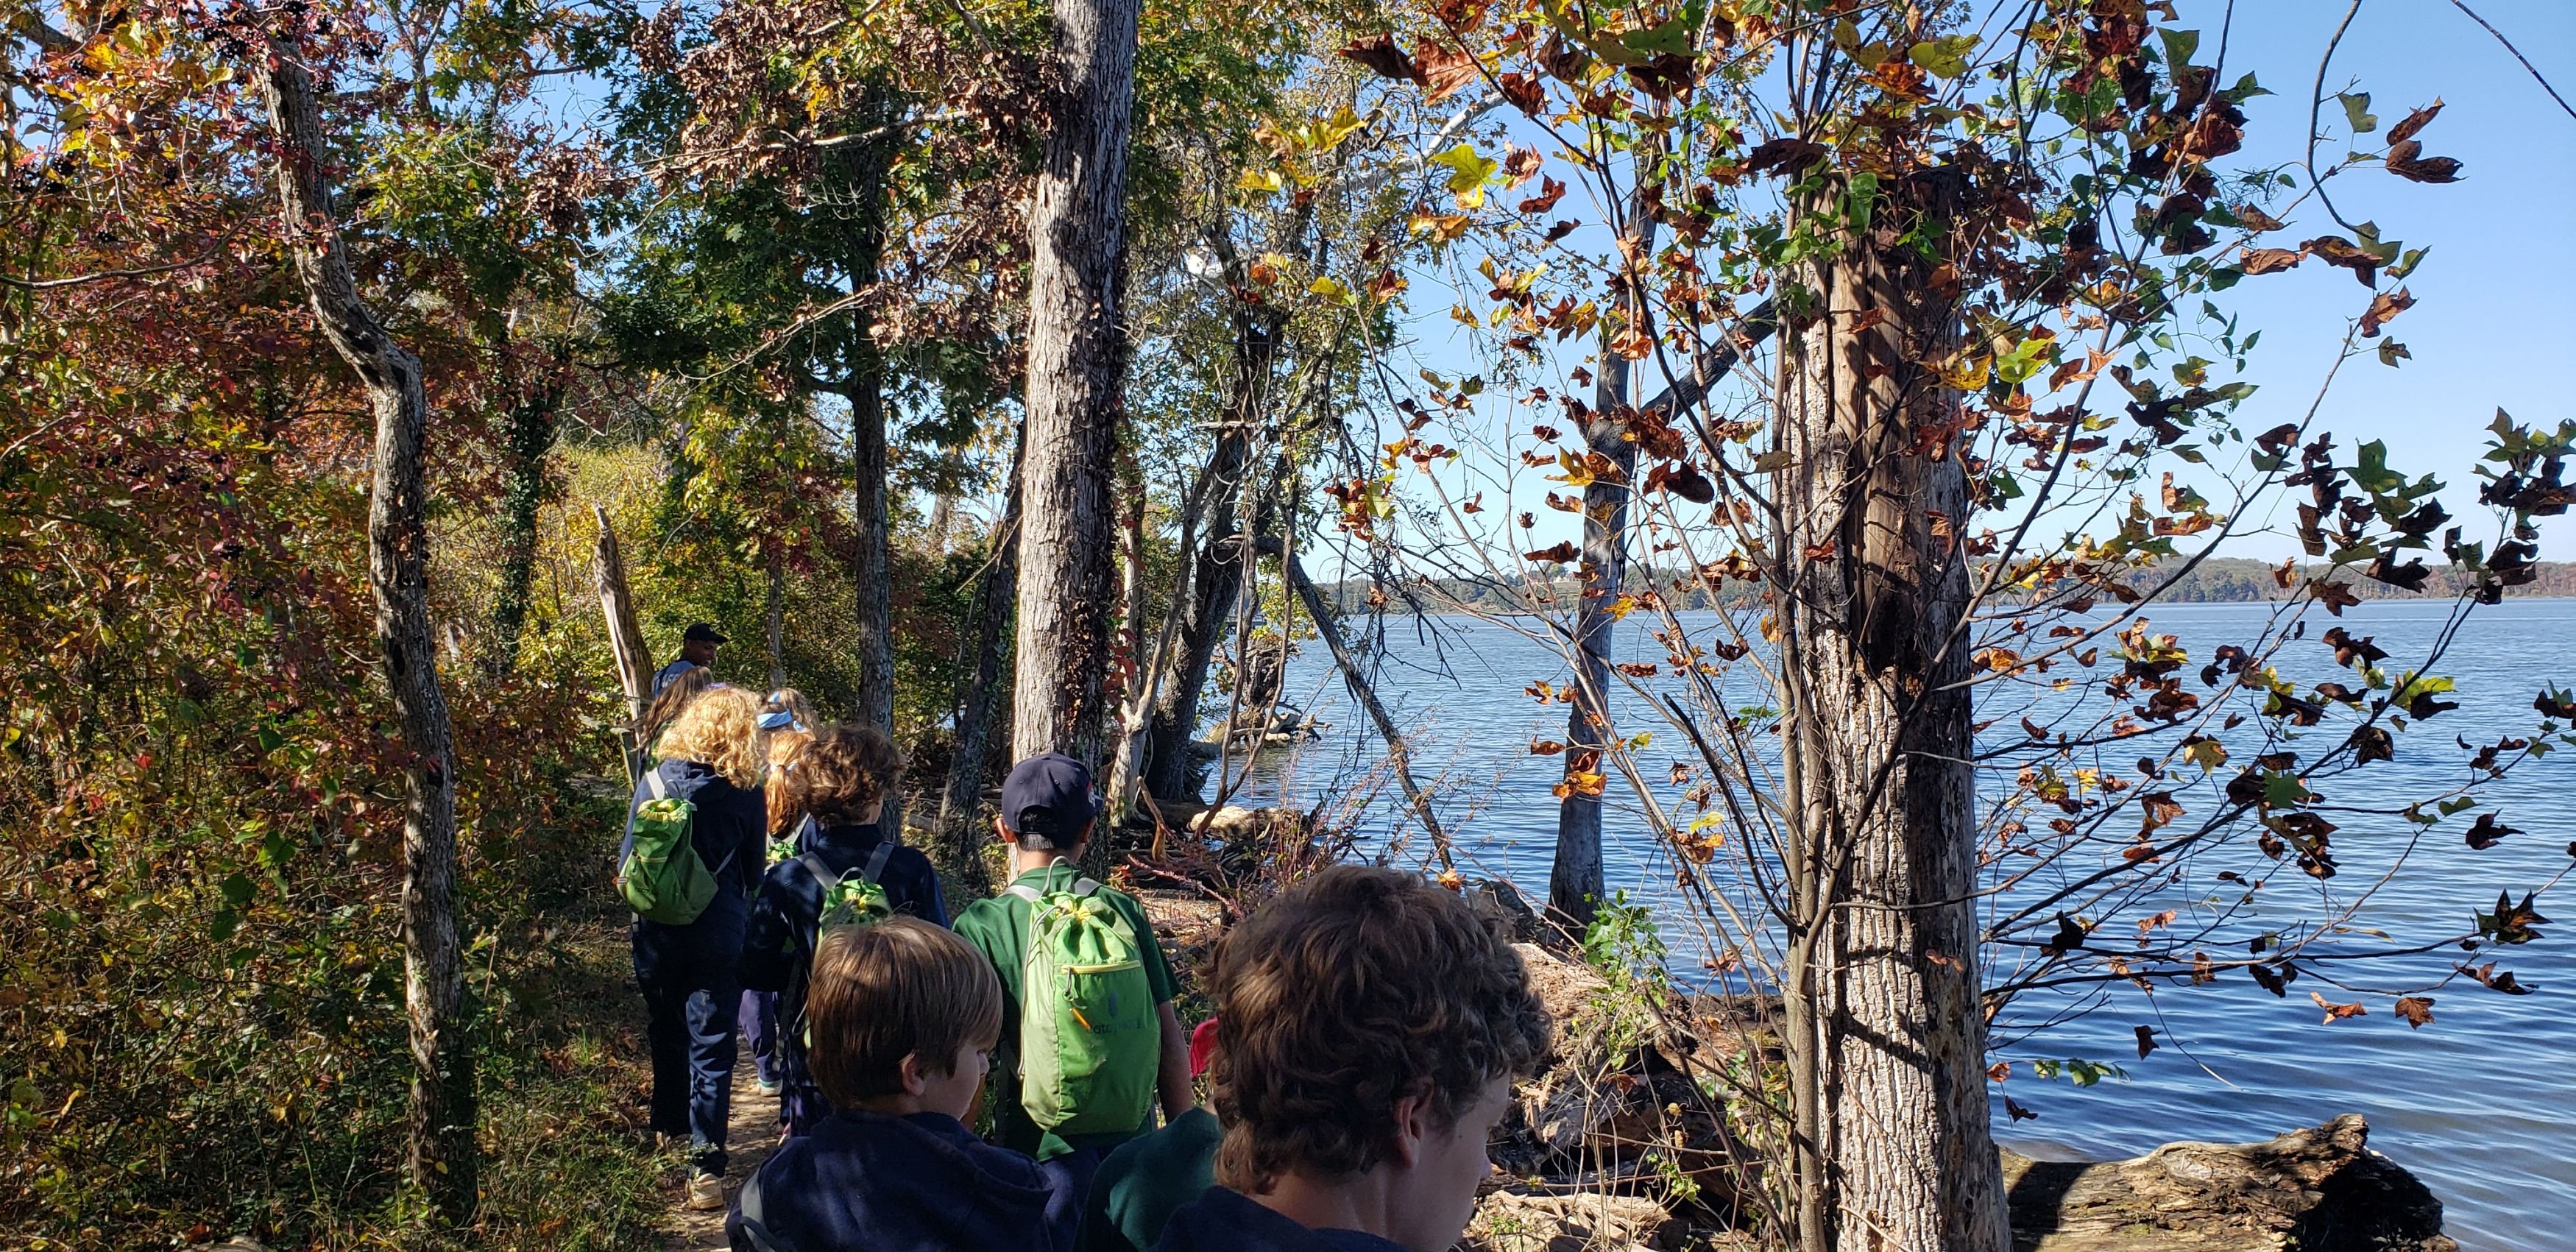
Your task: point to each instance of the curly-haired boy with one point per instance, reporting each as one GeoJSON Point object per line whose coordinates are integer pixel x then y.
{"type": "Point", "coordinates": [1368, 1031]}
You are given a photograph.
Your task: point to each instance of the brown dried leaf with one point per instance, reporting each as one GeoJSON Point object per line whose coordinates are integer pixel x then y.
{"type": "Point", "coordinates": [2417, 1010]}
{"type": "Point", "coordinates": [2383, 308]}
{"type": "Point", "coordinates": [2335, 1012]}
{"type": "Point", "coordinates": [1383, 56]}
{"type": "Point", "coordinates": [2271, 260]}
{"type": "Point", "coordinates": [1445, 72]}
{"type": "Point", "coordinates": [2414, 122]}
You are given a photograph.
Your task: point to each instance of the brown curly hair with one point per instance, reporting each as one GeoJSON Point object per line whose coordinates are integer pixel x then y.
{"type": "Point", "coordinates": [1353, 989]}
{"type": "Point", "coordinates": [840, 776]}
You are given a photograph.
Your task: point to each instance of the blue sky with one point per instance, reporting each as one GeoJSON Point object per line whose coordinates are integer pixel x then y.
{"type": "Point", "coordinates": [2493, 324]}
{"type": "Point", "coordinates": [2489, 328]}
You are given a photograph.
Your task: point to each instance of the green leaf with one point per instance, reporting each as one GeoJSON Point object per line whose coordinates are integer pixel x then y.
{"type": "Point", "coordinates": [2179, 45]}
{"type": "Point", "coordinates": [1467, 172]}
{"type": "Point", "coordinates": [1945, 57]}
{"type": "Point", "coordinates": [1672, 37]}
{"type": "Point", "coordinates": [2245, 89]}
{"type": "Point", "coordinates": [238, 890]}
{"type": "Point", "coordinates": [2356, 109]}
{"type": "Point", "coordinates": [225, 923]}
{"type": "Point", "coordinates": [2391, 352]}
{"type": "Point", "coordinates": [2282, 790]}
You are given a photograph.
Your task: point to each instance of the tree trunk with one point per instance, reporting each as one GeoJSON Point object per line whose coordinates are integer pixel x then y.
{"type": "Point", "coordinates": [961, 826]}
{"type": "Point", "coordinates": [531, 435]}
{"type": "Point", "coordinates": [1076, 354]}
{"type": "Point", "coordinates": [625, 639]}
{"type": "Point", "coordinates": [1886, 1032]}
{"type": "Point", "coordinates": [1135, 697]}
{"type": "Point", "coordinates": [774, 615]}
{"type": "Point", "coordinates": [1215, 578]}
{"type": "Point", "coordinates": [1574, 883]}
{"type": "Point", "coordinates": [872, 567]}
{"type": "Point", "coordinates": [441, 1122]}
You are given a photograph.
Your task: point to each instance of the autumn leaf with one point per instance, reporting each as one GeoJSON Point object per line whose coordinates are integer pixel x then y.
{"type": "Point", "coordinates": [1686, 481]}
{"type": "Point", "coordinates": [2335, 1012]}
{"type": "Point", "coordinates": [1384, 57]}
{"type": "Point", "coordinates": [1445, 72]}
{"type": "Point", "coordinates": [2406, 157]}
{"type": "Point", "coordinates": [2255, 219]}
{"type": "Point", "coordinates": [2146, 1040]}
{"type": "Point", "coordinates": [2415, 121]}
{"type": "Point", "coordinates": [2488, 832]}
{"type": "Point", "coordinates": [2270, 260]}
{"type": "Point", "coordinates": [1560, 553]}
{"type": "Point", "coordinates": [1787, 154]}
{"type": "Point", "coordinates": [2383, 308]}
{"type": "Point", "coordinates": [1545, 747]}
{"type": "Point", "coordinates": [2417, 1010]}
{"type": "Point", "coordinates": [2337, 596]}
{"type": "Point", "coordinates": [2496, 980]}
{"type": "Point", "coordinates": [1581, 782]}
{"type": "Point", "coordinates": [2017, 1112]}
{"type": "Point", "coordinates": [1549, 192]}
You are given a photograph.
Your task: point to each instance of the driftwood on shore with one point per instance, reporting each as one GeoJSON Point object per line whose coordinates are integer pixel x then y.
{"type": "Point", "coordinates": [2316, 1190]}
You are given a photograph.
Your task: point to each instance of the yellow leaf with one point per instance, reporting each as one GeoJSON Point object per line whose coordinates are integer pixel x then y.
{"type": "Point", "coordinates": [1965, 375]}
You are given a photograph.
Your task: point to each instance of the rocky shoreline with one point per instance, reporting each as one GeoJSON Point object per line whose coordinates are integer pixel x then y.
{"type": "Point", "coordinates": [1627, 1143]}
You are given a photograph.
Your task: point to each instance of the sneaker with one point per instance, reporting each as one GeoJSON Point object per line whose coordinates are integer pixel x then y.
{"type": "Point", "coordinates": [770, 1087]}
{"type": "Point", "coordinates": [706, 1193]}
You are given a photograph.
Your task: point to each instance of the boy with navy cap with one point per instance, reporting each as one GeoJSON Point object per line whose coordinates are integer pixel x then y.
{"type": "Point", "coordinates": [1048, 808]}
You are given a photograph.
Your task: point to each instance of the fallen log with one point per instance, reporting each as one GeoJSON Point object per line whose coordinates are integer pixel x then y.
{"type": "Point", "coordinates": [2315, 1190]}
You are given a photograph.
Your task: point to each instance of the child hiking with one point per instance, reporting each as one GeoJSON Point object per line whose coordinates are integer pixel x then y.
{"type": "Point", "coordinates": [904, 1017]}
{"type": "Point", "coordinates": [1090, 1044]}
{"type": "Point", "coordinates": [847, 872]}
{"type": "Point", "coordinates": [694, 838]}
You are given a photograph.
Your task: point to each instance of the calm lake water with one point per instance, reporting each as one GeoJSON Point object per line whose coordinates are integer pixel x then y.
{"type": "Point", "coordinates": [2481, 1104]}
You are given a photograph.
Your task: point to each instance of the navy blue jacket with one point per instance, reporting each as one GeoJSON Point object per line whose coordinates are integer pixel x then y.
{"type": "Point", "coordinates": [1225, 1220]}
{"type": "Point", "coordinates": [865, 1182]}
{"type": "Point", "coordinates": [779, 946]}
{"type": "Point", "coordinates": [730, 831]}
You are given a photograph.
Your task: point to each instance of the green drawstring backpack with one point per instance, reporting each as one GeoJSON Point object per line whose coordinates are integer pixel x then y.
{"type": "Point", "coordinates": [662, 877]}
{"type": "Point", "coordinates": [1090, 1045]}
{"type": "Point", "coordinates": [852, 899]}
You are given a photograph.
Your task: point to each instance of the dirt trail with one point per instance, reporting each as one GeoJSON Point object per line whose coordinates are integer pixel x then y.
{"type": "Point", "coordinates": [753, 1138]}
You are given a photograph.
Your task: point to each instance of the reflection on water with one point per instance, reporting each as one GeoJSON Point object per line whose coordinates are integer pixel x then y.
{"type": "Point", "coordinates": [2481, 1104]}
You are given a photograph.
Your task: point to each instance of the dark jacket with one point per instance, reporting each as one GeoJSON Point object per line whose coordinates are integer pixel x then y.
{"type": "Point", "coordinates": [779, 945]}
{"type": "Point", "coordinates": [1225, 1220]}
{"type": "Point", "coordinates": [730, 832]}
{"type": "Point", "coordinates": [864, 1182]}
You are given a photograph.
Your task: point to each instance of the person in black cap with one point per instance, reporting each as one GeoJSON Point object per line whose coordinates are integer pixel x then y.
{"type": "Point", "coordinates": [1047, 812]}
{"type": "Point", "coordinates": [697, 648]}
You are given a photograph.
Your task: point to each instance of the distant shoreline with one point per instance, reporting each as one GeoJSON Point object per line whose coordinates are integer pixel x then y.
{"type": "Point", "coordinates": [2218, 580]}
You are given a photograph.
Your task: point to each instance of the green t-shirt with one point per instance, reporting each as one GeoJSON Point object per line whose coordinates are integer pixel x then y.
{"type": "Point", "coordinates": [1143, 1182]}
{"type": "Point", "coordinates": [999, 927]}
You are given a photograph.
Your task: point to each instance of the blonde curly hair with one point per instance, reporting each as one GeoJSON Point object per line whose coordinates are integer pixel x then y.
{"type": "Point", "coordinates": [720, 730]}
